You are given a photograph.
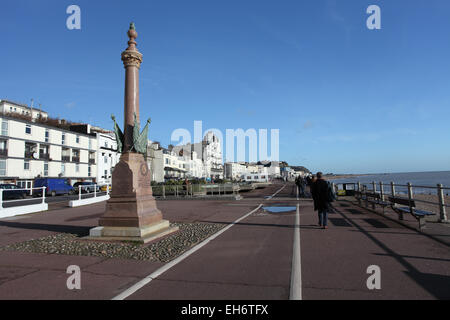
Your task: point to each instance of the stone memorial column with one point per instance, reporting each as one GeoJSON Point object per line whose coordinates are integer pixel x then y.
{"type": "Point", "coordinates": [131, 212]}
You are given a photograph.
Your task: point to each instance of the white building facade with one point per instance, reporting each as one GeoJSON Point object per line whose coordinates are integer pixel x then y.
{"type": "Point", "coordinates": [234, 170]}
{"type": "Point", "coordinates": [175, 166]}
{"type": "Point", "coordinates": [29, 150]}
{"type": "Point", "coordinates": [10, 107]}
{"type": "Point", "coordinates": [212, 156]}
{"type": "Point", "coordinates": [155, 161]}
{"type": "Point", "coordinates": [107, 157]}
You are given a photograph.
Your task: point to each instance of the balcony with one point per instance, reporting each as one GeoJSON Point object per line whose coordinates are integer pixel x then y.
{"type": "Point", "coordinates": [91, 161]}
{"type": "Point", "coordinates": [75, 159]}
{"type": "Point", "coordinates": [65, 158]}
{"type": "Point", "coordinates": [44, 156]}
{"type": "Point", "coordinates": [29, 154]}
{"type": "Point", "coordinates": [216, 167]}
{"type": "Point", "coordinates": [3, 152]}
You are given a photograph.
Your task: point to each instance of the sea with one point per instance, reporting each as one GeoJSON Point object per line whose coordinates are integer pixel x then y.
{"type": "Point", "coordinates": [419, 179]}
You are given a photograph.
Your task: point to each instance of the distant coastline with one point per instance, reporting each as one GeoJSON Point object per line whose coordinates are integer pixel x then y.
{"type": "Point", "coordinates": [421, 181]}
{"type": "Point", "coordinates": [345, 176]}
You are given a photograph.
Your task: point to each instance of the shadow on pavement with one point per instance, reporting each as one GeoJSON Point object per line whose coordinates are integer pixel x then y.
{"type": "Point", "coordinates": [355, 211]}
{"type": "Point", "coordinates": [88, 217]}
{"type": "Point", "coordinates": [435, 284]}
{"type": "Point", "coordinates": [415, 257]}
{"type": "Point", "coordinates": [80, 231]}
{"type": "Point", "coordinates": [376, 223]}
{"type": "Point", "coordinates": [339, 222]}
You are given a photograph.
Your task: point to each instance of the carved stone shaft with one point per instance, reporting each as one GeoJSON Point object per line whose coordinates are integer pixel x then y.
{"type": "Point", "coordinates": [132, 60]}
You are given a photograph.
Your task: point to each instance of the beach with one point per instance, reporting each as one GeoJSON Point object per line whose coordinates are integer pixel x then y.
{"type": "Point", "coordinates": [431, 207]}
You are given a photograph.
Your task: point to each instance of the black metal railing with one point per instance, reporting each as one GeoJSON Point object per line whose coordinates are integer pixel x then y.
{"type": "Point", "coordinates": [44, 156]}
{"type": "Point", "coordinates": [29, 154]}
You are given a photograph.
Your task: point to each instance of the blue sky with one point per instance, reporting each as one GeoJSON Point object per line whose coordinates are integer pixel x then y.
{"type": "Point", "coordinates": [345, 98]}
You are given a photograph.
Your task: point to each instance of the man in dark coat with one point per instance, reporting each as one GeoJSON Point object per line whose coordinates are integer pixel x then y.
{"type": "Point", "coordinates": [300, 182]}
{"type": "Point", "coordinates": [320, 194]}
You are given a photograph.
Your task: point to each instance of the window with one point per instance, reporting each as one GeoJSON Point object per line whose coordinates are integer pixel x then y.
{"type": "Point", "coordinates": [47, 135]}
{"type": "Point", "coordinates": [106, 144]}
{"type": "Point", "coordinates": [75, 155]}
{"type": "Point", "coordinates": [65, 155]}
{"type": "Point", "coordinates": [167, 161]}
{"type": "Point", "coordinates": [77, 168]}
{"type": "Point", "coordinates": [90, 144]}
{"type": "Point", "coordinates": [28, 129]}
{"type": "Point", "coordinates": [4, 127]}
{"type": "Point", "coordinates": [77, 139]}
{"type": "Point", "coordinates": [106, 159]}
{"type": "Point", "coordinates": [45, 169]}
{"type": "Point", "coordinates": [63, 139]}
{"type": "Point", "coordinates": [89, 171]}
{"type": "Point", "coordinates": [26, 165]}
{"type": "Point", "coordinates": [2, 167]}
{"type": "Point", "coordinates": [30, 149]}
{"type": "Point", "coordinates": [3, 147]}
{"type": "Point", "coordinates": [63, 168]}
{"type": "Point", "coordinates": [44, 152]}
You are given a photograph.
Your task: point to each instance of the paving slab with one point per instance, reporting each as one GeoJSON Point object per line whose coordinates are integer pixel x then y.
{"type": "Point", "coordinates": [335, 261]}
{"type": "Point", "coordinates": [251, 260]}
{"type": "Point", "coordinates": [186, 290]}
{"type": "Point", "coordinates": [255, 252]}
{"type": "Point", "coordinates": [43, 276]}
{"type": "Point", "coordinates": [51, 285]}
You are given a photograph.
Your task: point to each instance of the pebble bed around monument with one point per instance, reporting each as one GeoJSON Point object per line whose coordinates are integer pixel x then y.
{"type": "Point", "coordinates": [162, 250]}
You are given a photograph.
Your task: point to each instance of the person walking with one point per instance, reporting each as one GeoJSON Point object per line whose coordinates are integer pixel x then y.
{"type": "Point", "coordinates": [186, 187]}
{"type": "Point", "coordinates": [310, 181]}
{"type": "Point", "coordinates": [331, 197]}
{"type": "Point", "coordinates": [300, 182]}
{"type": "Point", "coordinates": [321, 196]}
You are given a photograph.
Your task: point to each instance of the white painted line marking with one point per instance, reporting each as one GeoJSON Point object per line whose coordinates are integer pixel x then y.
{"type": "Point", "coordinates": [296, 271]}
{"type": "Point", "coordinates": [268, 198]}
{"type": "Point", "coordinates": [125, 294]}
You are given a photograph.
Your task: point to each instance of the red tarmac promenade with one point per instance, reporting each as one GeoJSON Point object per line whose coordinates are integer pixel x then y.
{"type": "Point", "coordinates": [250, 260]}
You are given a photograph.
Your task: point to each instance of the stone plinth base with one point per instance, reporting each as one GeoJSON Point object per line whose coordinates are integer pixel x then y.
{"type": "Point", "coordinates": [131, 202]}
{"type": "Point", "coordinates": [143, 234]}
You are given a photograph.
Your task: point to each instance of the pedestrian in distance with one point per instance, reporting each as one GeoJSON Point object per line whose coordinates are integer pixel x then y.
{"type": "Point", "coordinates": [331, 196]}
{"type": "Point", "coordinates": [321, 196]}
{"type": "Point", "coordinates": [300, 182]}
{"type": "Point", "coordinates": [186, 187]}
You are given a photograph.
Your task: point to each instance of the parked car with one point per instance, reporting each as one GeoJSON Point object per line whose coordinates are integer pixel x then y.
{"type": "Point", "coordinates": [103, 188]}
{"type": "Point", "coordinates": [12, 191]}
{"type": "Point", "coordinates": [54, 186]}
{"type": "Point", "coordinates": [86, 187]}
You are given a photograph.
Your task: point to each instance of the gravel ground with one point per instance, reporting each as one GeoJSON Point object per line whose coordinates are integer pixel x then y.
{"type": "Point", "coordinates": [432, 207]}
{"type": "Point", "coordinates": [163, 250]}
{"type": "Point", "coordinates": [430, 198]}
